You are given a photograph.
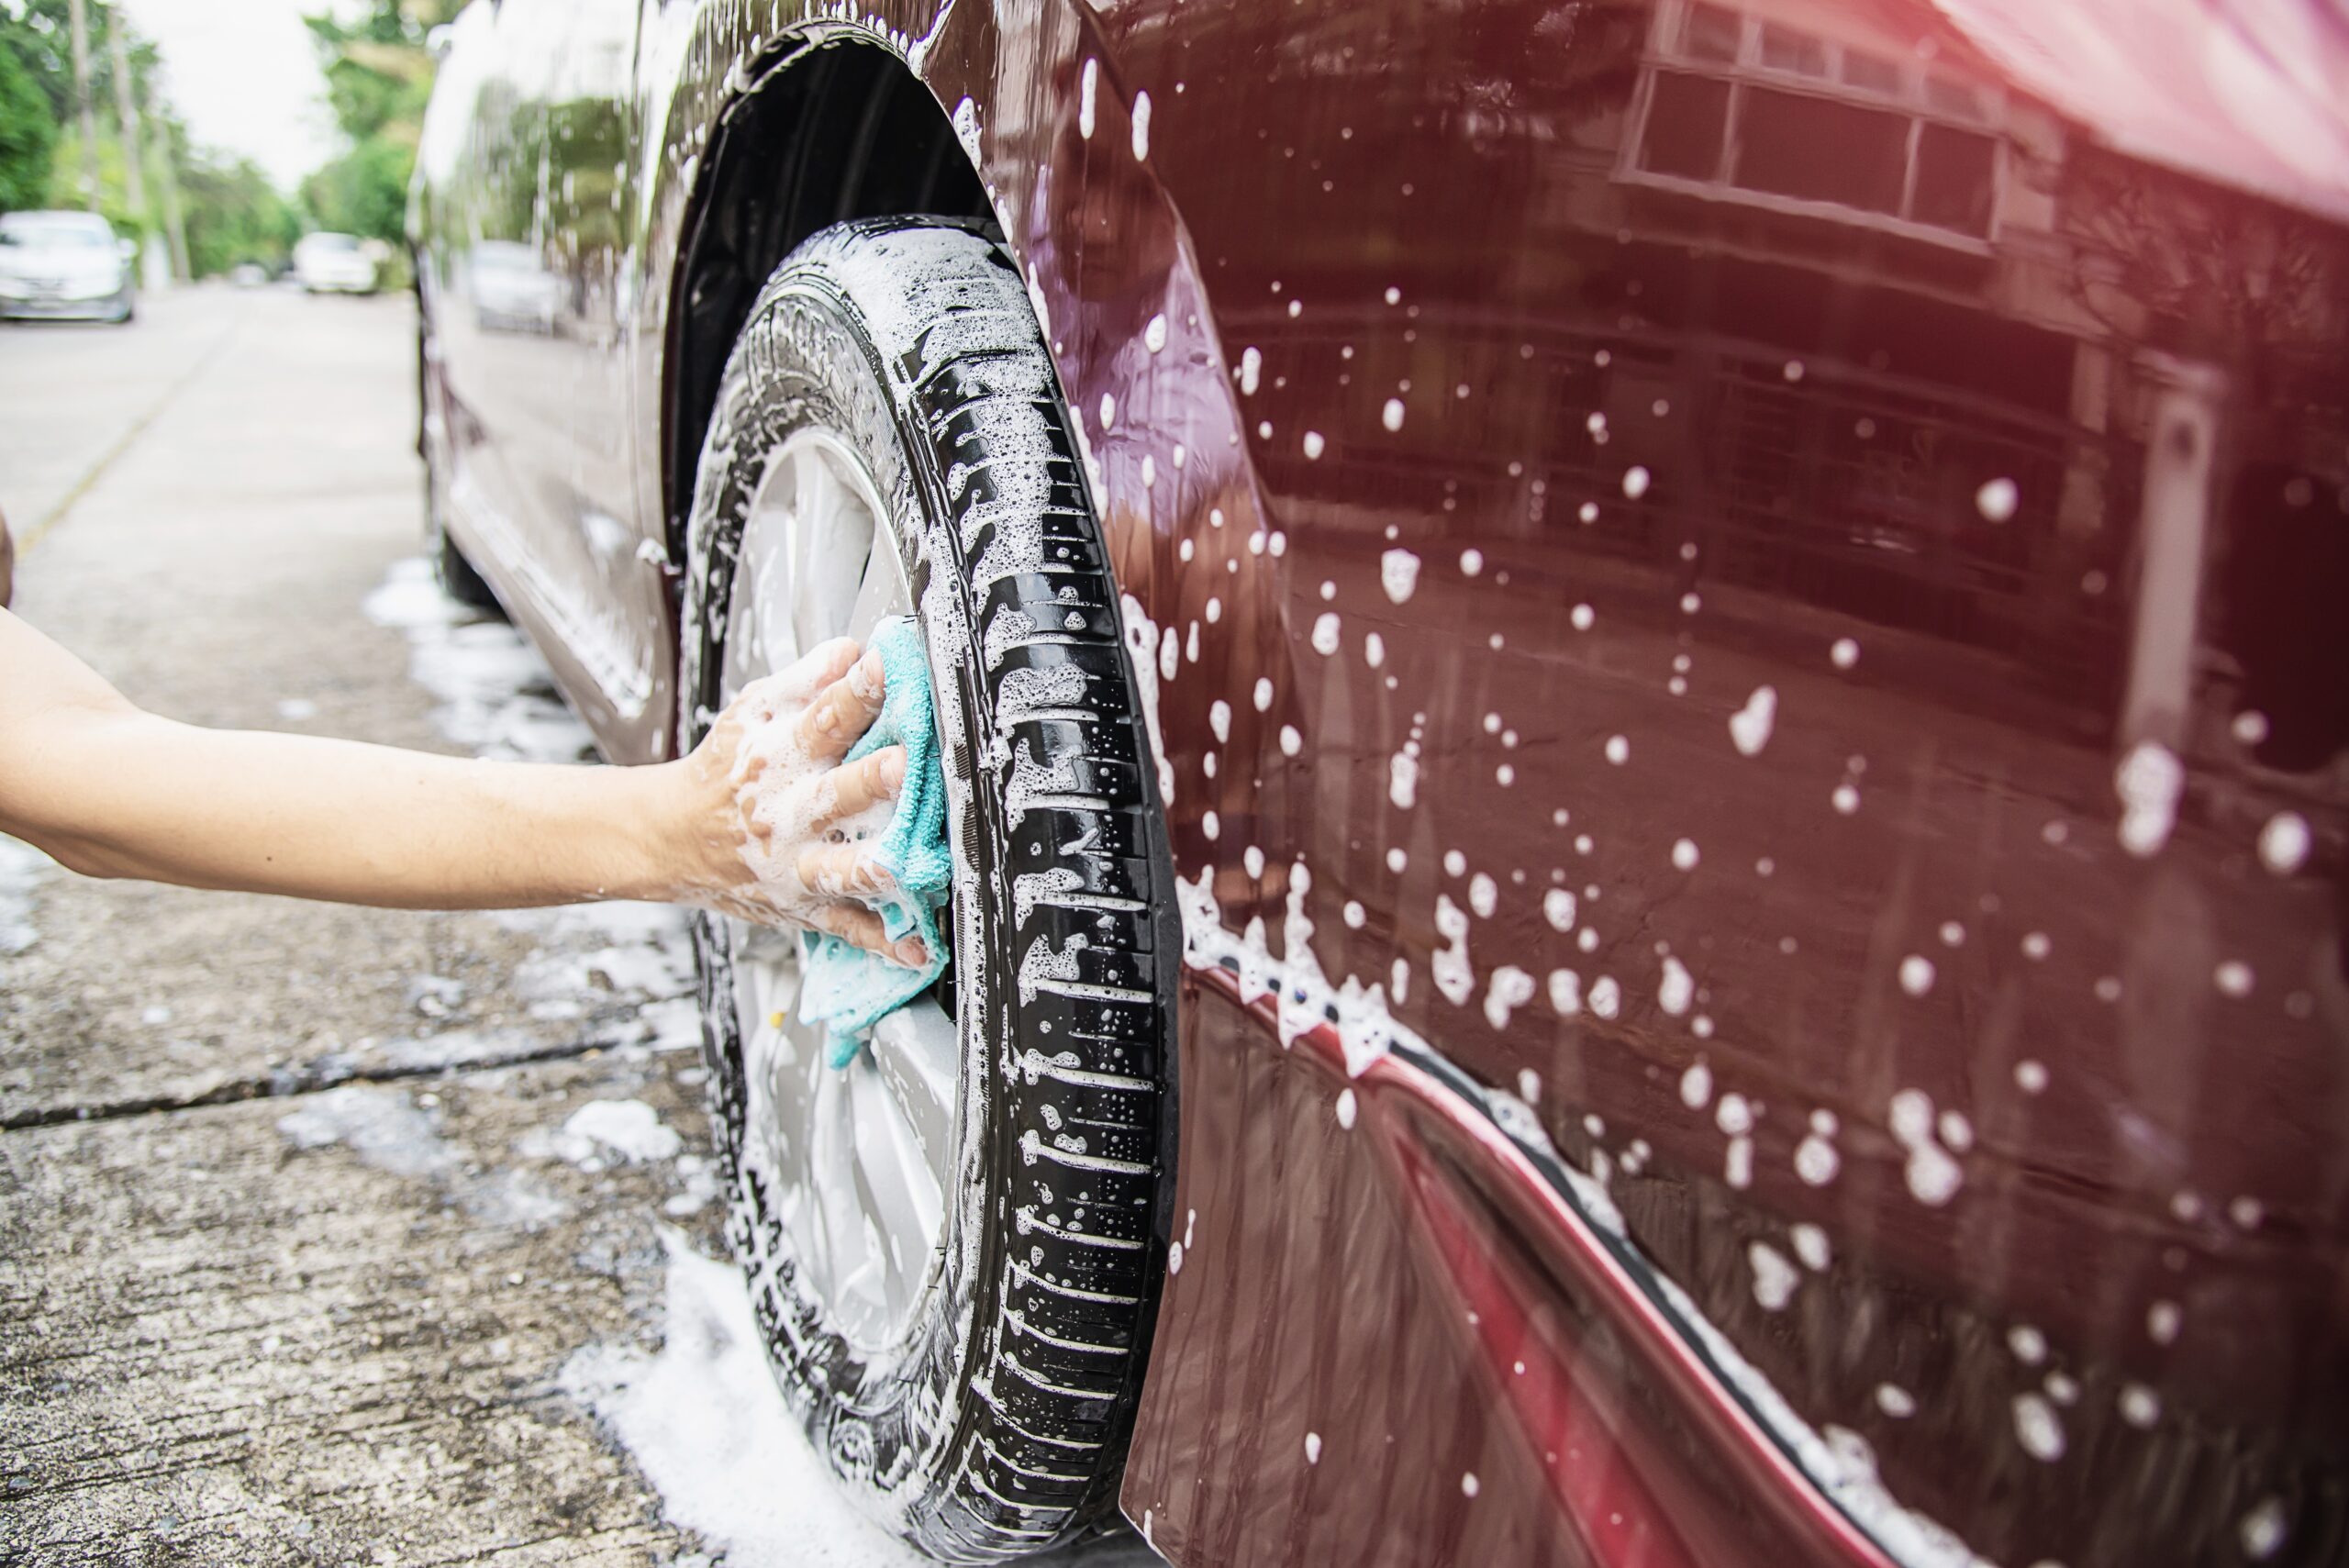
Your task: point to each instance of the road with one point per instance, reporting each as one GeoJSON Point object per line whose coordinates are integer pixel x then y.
{"type": "Point", "coordinates": [337, 1235]}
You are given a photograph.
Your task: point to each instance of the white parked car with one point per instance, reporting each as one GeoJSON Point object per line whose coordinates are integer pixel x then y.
{"type": "Point", "coordinates": [335, 263]}
{"type": "Point", "coordinates": [65, 266]}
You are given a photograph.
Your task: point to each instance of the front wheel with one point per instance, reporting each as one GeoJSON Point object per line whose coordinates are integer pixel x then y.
{"type": "Point", "coordinates": [955, 1244]}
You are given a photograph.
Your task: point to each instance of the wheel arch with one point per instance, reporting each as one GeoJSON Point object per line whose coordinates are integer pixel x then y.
{"type": "Point", "coordinates": [831, 124]}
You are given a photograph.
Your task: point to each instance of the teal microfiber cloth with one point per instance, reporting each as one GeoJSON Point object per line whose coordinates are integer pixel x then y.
{"type": "Point", "coordinates": [846, 987]}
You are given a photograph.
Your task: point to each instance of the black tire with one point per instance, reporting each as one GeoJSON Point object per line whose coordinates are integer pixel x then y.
{"type": "Point", "coordinates": [456, 574]}
{"type": "Point", "coordinates": [999, 1427]}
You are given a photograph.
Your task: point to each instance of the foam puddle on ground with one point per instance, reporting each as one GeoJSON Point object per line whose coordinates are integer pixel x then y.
{"type": "Point", "coordinates": [496, 695]}
{"type": "Point", "coordinates": [705, 1423]}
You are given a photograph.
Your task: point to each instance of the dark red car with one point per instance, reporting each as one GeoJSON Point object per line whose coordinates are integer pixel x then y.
{"type": "Point", "coordinates": [1645, 706]}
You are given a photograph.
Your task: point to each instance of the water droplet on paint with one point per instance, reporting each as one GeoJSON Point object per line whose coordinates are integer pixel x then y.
{"type": "Point", "coordinates": [2284, 843]}
{"type": "Point", "coordinates": [1997, 500]}
{"type": "Point", "coordinates": [1774, 1279]}
{"type": "Point", "coordinates": [1399, 574]}
{"type": "Point", "coordinates": [2038, 1427]}
{"type": "Point", "coordinates": [1751, 726]}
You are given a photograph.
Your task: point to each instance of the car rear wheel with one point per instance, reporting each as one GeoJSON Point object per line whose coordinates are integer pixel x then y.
{"type": "Point", "coordinates": [953, 1245]}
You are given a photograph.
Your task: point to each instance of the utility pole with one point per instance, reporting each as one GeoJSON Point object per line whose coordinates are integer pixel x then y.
{"type": "Point", "coordinates": [168, 176]}
{"type": "Point", "coordinates": [134, 156]}
{"type": "Point", "coordinates": [89, 110]}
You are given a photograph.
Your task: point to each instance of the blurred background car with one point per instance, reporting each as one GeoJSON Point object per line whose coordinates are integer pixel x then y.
{"type": "Point", "coordinates": [64, 266]}
{"type": "Point", "coordinates": [335, 263]}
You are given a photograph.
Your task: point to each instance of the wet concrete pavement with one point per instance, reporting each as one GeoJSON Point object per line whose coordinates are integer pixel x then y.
{"type": "Point", "coordinates": [325, 1235]}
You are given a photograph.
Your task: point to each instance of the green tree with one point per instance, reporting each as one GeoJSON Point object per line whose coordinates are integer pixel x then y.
{"type": "Point", "coordinates": [379, 77]}
{"type": "Point", "coordinates": [234, 215]}
{"type": "Point", "coordinates": [27, 128]}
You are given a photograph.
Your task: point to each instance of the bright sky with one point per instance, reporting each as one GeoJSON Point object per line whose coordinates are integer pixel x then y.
{"type": "Point", "coordinates": [244, 76]}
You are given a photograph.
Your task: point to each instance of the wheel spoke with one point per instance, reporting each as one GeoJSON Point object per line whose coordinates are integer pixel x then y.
{"type": "Point", "coordinates": [859, 1159]}
{"type": "Point", "coordinates": [883, 588]}
{"type": "Point", "coordinates": [913, 1053]}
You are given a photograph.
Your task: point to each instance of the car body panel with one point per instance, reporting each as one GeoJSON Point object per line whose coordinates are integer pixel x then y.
{"type": "Point", "coordinates": [1925, 759]}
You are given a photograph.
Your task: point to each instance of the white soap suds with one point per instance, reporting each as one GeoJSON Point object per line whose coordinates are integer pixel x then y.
{"type": "Point", "coordinates": [1606, 996]}
{"type": "Point", "coordinates": [1399, 574]}
{"type": "Point", "coordinates": [1916, 975]}
{"type": "Point", "coordinates": [1509, 988]}
{"type": "Point", "coordinates": [1811, 1246]}
{"type": "Point", "coordinates": [1403, 780]}
{"type": "Point", "coordinates": [2038, 1427]}
{"type": "Point", "coordinates": [1565, 993]}
{"type": "Point", "coordinates": [1678, 988]}
{"type": "Point", "coordinates": [498, 698]}
{"type": "Point", "coordinates": [2284, 843]}
{"type": "Point", "coordinates": [2148, 782]}
{"type": "Point", "coordinates": [1750, 726]}
{"type": "Point", "coordinates": [1997, 499]}
{"type": "Point", "coordinates": [2264, 1528]}
{"type": "Point", "coordinates": [1816, 1160]}
{"type": "Point", "coordinates": [601, 1130]}
{"type": "Point", "coordinates": [703, 1423]}
{"type": "Point", "coordinates": [1697, 1086]}
{"type": "Point", "coordinates": [1774, 1278]}
{"type": "Point", "coordinates": [1454, 977]}
{"type": "Point", "coordinates": [1934, 1176]}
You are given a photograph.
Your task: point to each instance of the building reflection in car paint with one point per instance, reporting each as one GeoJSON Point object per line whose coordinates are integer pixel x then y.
{"type": "Point", "coordinates": [1778, 565]}
{"type": "Point", "coordinates": [1945, 1032]}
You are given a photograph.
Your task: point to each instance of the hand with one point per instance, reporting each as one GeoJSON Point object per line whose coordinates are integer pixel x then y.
{"type": "Point", "coordinates": [8, 562]}
{"type": "Point", "coordinates": [769, 808]}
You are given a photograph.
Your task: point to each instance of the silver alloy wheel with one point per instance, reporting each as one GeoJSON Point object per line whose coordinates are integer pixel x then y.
{"type": "Point", "coordinates": [855, 1161]}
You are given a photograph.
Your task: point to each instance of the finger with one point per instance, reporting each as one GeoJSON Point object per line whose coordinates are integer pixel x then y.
{"type": "Point", "coordinates": [861, 928]}
{"type": "Point", "coordinates": [809, 673]}
{"type": "Point", "coordinates": [843, 711]}
{"type": "Point", "coordinates": [858, 786]}
{"type": "Point", "coordinates": [842, 870]}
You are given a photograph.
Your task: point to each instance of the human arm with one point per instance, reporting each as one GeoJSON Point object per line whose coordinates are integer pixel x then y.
{"type": "Point", "coordinates": [110, 789]}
